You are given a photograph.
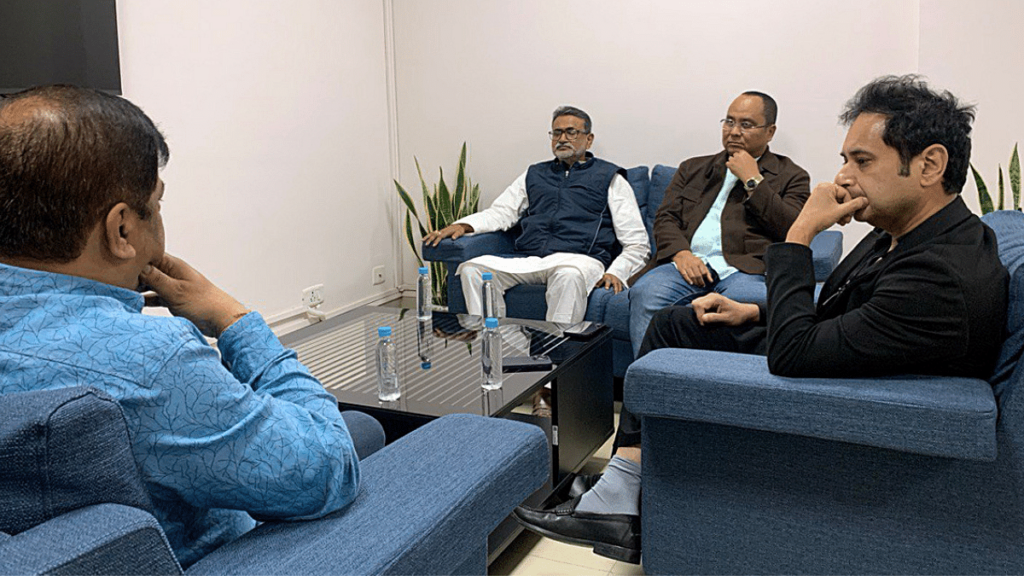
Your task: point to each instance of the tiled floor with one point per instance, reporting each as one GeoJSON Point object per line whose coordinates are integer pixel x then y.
{"type": "Point", "coordinates": [532, 555]}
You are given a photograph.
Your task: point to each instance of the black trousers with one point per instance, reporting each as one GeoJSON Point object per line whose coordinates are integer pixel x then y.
{"type": "Point", "coordinates": [677, 327]}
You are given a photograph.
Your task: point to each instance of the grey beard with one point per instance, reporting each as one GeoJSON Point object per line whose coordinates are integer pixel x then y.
{"type": "Point", "coordinates": [565, 153]}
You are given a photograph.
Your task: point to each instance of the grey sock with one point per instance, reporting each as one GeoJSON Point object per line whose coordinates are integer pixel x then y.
{"type": "Point", "coordinates": [617, 492]}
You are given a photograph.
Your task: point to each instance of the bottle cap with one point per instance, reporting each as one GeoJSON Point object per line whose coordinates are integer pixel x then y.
{"type": "Point", "coordinates": [491, 323]}
{"type": "Point", "coordinates": [425, 365]}
{"type": "Point", "coordinates": [384, 331]}
{"type": "Point", "coordinates": [424, 270]}
{"type": "Point", "coordinates": [487, 275]}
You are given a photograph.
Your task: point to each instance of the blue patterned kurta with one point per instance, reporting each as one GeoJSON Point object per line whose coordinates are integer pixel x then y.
{"type": "Point", "coordinates": [256, 433]}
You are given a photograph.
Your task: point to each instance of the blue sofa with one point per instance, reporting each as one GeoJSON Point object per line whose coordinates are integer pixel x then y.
{"type": "Point", "coordinates": [72, 500]}
{"type": "Point", "coordinates": [603, 306]}
{"type": "Point", "coordinates": [750, 473]}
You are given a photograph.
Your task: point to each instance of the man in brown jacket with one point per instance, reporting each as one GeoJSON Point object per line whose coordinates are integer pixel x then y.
{"type": "Point", "coordinates": [718, 217]}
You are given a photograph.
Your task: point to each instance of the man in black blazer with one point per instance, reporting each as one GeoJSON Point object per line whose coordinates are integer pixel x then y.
{"type": "Point", "coordinates": [924, 293]}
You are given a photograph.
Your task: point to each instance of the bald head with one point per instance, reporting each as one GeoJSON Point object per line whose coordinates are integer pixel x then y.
{"type": "Point", "coordinates": [67, 155]}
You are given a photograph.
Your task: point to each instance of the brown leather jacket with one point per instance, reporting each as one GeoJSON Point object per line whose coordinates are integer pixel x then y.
{"type": "Point", "coordinates": [749, 225]}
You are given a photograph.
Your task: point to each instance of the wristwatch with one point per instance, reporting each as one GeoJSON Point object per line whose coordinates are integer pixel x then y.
{"type": "Point", "coordinates": [752, 183]}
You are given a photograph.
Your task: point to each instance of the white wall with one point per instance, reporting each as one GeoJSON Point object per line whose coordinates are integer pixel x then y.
{"type": "Point", "coordinates": [655, 75]}
{"type": "Point", "coordinates": [276, 115]}
{"type": "Point", "coordinates": [278, 112]}
{"type": "Point", "coordinates": [975, 51]}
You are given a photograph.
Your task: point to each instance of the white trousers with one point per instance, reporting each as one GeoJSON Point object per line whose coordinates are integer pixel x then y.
{"type": "Point", "coordinates": [568, 284]}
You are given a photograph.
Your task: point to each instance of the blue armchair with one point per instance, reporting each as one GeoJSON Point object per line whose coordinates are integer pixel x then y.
{"type": "Point", "coordinates": [603, 306]}
{"type": "Point", "coordinates": [74, 503]}
{"type": "Point", "coordinates": [746, 472]}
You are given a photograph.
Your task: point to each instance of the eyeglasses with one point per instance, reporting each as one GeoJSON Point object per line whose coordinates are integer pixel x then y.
{"type": "Point", "coordinates": [572, 133]}
{"type": "Point", "coordinates": [745, 126]}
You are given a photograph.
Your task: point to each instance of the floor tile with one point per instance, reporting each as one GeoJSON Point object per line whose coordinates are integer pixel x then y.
{"type": "Point", "coordinates": [576, 555]}
{"type": "Point", "coordinates": [514, 555]}
{"type": "Point", "coordinates": [537, 566]}
{"type": "Point", "coordinates": [626, 569]}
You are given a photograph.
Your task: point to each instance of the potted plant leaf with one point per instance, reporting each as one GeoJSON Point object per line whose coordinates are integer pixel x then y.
{"type": "Point", "coordinates": [1013, 173]}
{"type": "Point", "coordinates": [441, 207]}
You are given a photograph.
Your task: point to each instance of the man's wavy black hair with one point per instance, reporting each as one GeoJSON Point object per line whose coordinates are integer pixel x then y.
{"type": "Point", "coordinates": [67, 156]}
{"type": "Point", "coordinates": [918, 117]}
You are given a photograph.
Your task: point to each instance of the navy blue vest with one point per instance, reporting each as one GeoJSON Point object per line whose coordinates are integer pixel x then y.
{"type": "Point", "coordinates": [569, 211]}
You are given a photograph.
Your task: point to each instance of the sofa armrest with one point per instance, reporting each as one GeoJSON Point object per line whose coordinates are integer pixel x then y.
{"type": "Point", "coordinates": [426, 505]}
{"type": "Point", "coordinates": [98, 539]}
{"type": "Point", "coordinates": [469, 246]}
{"type": "Point", "coordinates": [826, 251]}
{"type": "Point", "coordinates": [953, 417]}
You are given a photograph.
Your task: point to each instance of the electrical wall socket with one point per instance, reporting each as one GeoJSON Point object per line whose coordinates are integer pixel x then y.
{"type": "Point", "coordinates": [313, 296]}
{"type": "Point", "coordinates": [378, 275]}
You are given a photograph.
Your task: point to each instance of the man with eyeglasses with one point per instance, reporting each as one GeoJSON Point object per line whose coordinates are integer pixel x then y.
{"type": "Point", "coordinates": [576, 212]}
{"type": "Point", "coordinates": [924, 293]}
{"type": "Point", "coordinates": [719, 215]}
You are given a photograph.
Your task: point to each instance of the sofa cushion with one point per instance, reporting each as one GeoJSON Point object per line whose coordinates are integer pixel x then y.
{"type": "Point", "coordinates": [61, 450]}
{"type": "Point", "coordinates": [1010, 353]}
{"type": "Point", "coordinates": [640, 181]}
{"type": "Point", "coordinates": [953, 417]}
{"type": "Point", "coordinates": [661, 177]}
{"type": "Point", "coordinates": [1009, 228]}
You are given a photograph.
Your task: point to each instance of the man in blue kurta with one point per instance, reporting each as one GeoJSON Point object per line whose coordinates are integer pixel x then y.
{"type": "Point", "coordinates": [220, 439]}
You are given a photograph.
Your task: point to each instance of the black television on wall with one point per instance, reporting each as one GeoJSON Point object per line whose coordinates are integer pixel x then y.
{"type": "Point", "coordinates": [59, 42]}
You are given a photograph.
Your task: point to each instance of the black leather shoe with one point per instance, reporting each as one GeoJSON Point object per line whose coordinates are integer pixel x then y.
{"type": "Point", "coordinates": [581, 484]}
{"type": "Point", "coordinates": [615, 536]}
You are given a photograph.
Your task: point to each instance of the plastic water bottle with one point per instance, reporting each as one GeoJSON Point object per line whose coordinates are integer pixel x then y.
{"type": "Point", "coordinates": [489, 297]}
{"type": "Point", "coordinates": [423, 296]}
{"type": "Point", "coordinates": [491, 355]}
{"type": "Point", "coordinates": [387, 366]}
{"type": "Point", "coordinates": [424, 343]}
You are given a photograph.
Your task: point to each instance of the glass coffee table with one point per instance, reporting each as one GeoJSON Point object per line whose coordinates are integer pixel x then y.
{"type": "Point", "coordinates": [341, 353]}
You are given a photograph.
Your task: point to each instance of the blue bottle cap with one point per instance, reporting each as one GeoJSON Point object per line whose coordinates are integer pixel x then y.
{"type": "Point", "coordinates": [491, 323]}
{"type": "Point", "coordinates": [487, 276]}
{"type": "Point", "coordinates": [384, 331]}
{"type": "Point", "coordinates": [424, 270]}
{"type": "Point", "coordinates": [425, 365]}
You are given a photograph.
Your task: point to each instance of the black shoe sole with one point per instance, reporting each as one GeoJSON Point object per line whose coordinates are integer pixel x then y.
{"type": "Point", "coordinates": [621, 553]}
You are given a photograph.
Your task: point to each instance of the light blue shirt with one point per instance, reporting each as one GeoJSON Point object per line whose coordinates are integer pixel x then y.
{"type": "Point", "coordinates": [706, 243]}
{"type": "Point", "coordinates": [213, 441]}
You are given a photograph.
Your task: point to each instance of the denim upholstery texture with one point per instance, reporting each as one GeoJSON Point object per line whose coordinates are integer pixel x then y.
{"type": "Point", "coordinates": [468, 471]}
{"type": "Point", "coordinates": [61, 450]}
{"type": "Point", "coordinates": [98, 539]}
{"type": "Point", "coordinates": [603, 306]}
{"type": "Point", "coordinates": [426, 504]}
{"type": "Point", "coordinates": [746, 472]}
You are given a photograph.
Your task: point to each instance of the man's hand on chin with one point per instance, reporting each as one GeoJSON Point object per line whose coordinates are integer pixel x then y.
{"type": "Point", "coordinates": [188, 294]}
{"type": "Point", "coordinates": [827, 205]}
{"type": "Point", "coordinates": [742, 165]}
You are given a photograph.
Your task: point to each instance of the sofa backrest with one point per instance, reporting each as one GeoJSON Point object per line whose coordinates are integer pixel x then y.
{"type": "Point", "coordinates": [1009, 228]}
{"type": "Point", "coordinates": [61, 450]}
{"type": "Point", "coordinates": [639, 178]}
{"type": "Point", "coordinates": [661, 177]}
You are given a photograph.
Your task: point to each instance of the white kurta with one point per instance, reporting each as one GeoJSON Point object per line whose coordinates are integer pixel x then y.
{"type": "Point", "coordinates": [506, 211]}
